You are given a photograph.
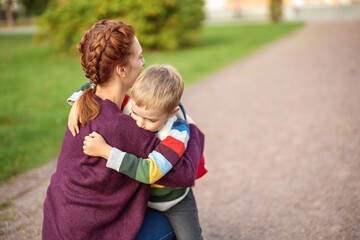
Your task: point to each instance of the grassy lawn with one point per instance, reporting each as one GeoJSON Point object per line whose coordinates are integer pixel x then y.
{"type": "Point", "coordinates": [35, 82]}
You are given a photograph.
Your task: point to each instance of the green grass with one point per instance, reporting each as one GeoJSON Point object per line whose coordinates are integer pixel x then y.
{"type": "Point", "coordinates": [35, 82]}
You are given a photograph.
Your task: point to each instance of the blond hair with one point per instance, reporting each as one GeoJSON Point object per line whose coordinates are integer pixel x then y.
{"type": "Point", "coordinates": [158, 86]}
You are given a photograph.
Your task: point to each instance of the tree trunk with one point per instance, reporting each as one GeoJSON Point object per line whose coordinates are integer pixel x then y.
{"type": "Point", "coordinates": [9, 13]}
{"type": "Point", "coordinates": [275, 10]}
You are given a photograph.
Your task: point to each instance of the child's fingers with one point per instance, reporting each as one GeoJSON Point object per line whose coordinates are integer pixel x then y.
{"type": "Point", "coordinates": [87, 141]}
{"type": "Point", "coordinates": [71, 128]}
{"type": "Point", "coordinates": [77, 128]}
{"type": "Point", "coordinates": [84, 149]}
{"type": "Point", "coordinates": [74, 125]}
{"type": "Point", "coordinates": [73, 120]}
{"type": "Point", "coordinates": [94, 134]}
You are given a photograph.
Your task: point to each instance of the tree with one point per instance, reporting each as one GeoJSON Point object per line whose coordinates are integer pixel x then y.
{"type": "Point", "coordinates": [275, 10]}
{"type": "Point", "coordinates": [34, 7]}
{"type": "Point", "coordinates": [10, 19]}
{"type": "Point", "coordinates": [159, 24]}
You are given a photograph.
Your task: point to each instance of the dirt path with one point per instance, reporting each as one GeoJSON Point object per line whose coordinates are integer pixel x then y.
{"type": "Point", "coordinates": [282, 144]}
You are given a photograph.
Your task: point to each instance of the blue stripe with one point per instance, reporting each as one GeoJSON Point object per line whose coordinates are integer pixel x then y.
{"type": "Point", "coordinates": [181, 125]}
{"type": "Point", "coordinates": [179, 122]}
{"type": "Point", "coordinates": [163, 164]}
{"type": "Point", "coordinates": [182, 109]}
{"type": "Point", "coordinates": [181, 128]}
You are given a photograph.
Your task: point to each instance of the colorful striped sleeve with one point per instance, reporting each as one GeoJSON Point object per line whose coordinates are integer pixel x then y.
{"type": "Point", "coordinates": [160, 160]}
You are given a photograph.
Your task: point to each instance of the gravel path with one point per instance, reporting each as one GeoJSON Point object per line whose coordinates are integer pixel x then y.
{"type": "Point", "coordinates": [282, 145]}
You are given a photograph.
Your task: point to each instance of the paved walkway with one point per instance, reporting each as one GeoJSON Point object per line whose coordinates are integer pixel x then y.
{"type": "Point", "coordinates": [17, 30]}
{"type": "Point", "coordinates": [282, 144]}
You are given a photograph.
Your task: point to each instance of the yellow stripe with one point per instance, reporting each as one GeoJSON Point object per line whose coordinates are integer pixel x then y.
{"type": "Point", "coordinates": [155, 173]}
{"type": "Point", "coordinates": [157, 186]}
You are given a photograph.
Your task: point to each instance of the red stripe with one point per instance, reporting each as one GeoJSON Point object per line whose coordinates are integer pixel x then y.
{"type": "Point", "coordinates": [126, 99]}
{"type": "Point", "coordinates": [174, 144]}
{"type": "Point", "coordinates": [202, 168]}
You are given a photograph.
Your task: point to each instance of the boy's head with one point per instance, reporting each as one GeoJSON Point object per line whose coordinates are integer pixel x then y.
{"type": "Point", "coordinates": [155, 96]}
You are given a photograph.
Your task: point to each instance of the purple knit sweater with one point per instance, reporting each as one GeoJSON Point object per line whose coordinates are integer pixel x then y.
{"type": "Point", "coordinates": [87, 200]}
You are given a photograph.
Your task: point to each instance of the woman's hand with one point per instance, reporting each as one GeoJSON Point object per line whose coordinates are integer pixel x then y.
{"type": "Point", "coordinates": [73, 120]}
{"type": "Point", "coordinates": [96, 146]}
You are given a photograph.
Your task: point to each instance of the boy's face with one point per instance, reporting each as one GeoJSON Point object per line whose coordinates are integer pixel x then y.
{"type": "Point", "coordinates": [148, 119]}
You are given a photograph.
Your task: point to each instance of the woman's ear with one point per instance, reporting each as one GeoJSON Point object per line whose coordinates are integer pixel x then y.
{"type": "Point", "coordinates": [120, 70]}
{"type": "Point", "coordinates": [173, 112]}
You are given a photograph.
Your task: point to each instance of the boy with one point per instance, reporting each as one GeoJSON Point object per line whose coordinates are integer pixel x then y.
{"type": "Point", "coordinates": [155, 107]}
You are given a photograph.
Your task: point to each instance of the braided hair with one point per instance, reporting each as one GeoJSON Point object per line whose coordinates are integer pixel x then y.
{"type": "Point", "coordinates": [104, 46]}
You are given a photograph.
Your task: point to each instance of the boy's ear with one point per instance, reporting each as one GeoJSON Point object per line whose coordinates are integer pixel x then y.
{"type": "Point", "coordinates": [121, 71]}
{"type": "Point", "coordinates": [173, 112]}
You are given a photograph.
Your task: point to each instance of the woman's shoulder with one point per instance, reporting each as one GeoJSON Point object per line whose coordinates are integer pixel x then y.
{"type": "Point", "coordinates": [111, 106]}
{"type": "Point", "coordinates": [111, 115]}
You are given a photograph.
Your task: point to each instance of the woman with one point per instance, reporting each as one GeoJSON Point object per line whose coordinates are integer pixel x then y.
{"type": "Point", "coordinates": [86, 200]}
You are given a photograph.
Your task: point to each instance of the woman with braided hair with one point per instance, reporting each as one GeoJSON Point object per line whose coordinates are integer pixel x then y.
{"type": "Point", "coordinates": [85, 199]}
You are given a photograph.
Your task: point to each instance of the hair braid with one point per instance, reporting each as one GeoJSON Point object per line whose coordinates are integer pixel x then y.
{"type": "Point", "coordinates": [104, 46]}
{"type": "Point", "coordinates": [96, 51]}
{"type": "Point", "coordinates": [82, 45]}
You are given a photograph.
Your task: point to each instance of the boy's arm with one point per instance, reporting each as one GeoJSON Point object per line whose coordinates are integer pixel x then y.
{"type": "Point", "coordinates": [183, 174]}
{"type": "Point", "coordinates": [76, 95]}
{"type": "Point", "coordinates": [160, 161]}
{"type": "Point", "coordinates": [73, 118]}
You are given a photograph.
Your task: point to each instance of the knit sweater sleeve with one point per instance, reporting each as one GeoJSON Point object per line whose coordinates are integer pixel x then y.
{"type": "Point", "coordinates": [183, 174]}
{"type": "Point", "coordinates": [76, 95]}
{"type": "Point", "coordinates": [159, 162]}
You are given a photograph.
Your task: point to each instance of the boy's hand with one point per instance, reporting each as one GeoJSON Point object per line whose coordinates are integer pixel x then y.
{"type": "Point", "coordinates": [73, 120]}
{"type": "Point", "coordinates": [96, 146]}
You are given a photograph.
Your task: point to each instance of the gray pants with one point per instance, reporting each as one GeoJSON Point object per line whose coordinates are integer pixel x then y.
{"type": "Point", "coordinates": [184, 219]}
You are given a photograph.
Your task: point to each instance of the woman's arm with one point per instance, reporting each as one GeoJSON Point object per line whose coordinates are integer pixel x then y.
{"type": "Point", "coordinates": [146, 170]}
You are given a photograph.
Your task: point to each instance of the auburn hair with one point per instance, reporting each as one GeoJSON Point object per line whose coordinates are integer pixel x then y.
{"type": "Point", "coordinates": [104, 46]}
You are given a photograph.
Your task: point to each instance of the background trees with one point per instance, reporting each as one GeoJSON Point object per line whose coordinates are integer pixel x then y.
{"type": "Point", "coordinates": [159, 24]}
{"type": "Point", "coordinates": [34, 7]}
{"type": "Point", "coordinates": [10, 16]}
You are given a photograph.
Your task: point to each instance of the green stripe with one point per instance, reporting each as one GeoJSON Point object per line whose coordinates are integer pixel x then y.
{"type": "Point", "coordinates": [166, 194]}
{"type": "Point", "coordinates": [143, 170]}
{"type": "Point", "coordinates": [129, 165]}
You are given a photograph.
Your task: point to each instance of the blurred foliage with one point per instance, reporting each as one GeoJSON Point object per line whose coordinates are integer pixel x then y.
{"type": "Point", "coordinates": [34, 7]}
{"type": "Point", "coordinates": [160, 24]}
{"type": "Point", "coordinates": [166, 24]}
